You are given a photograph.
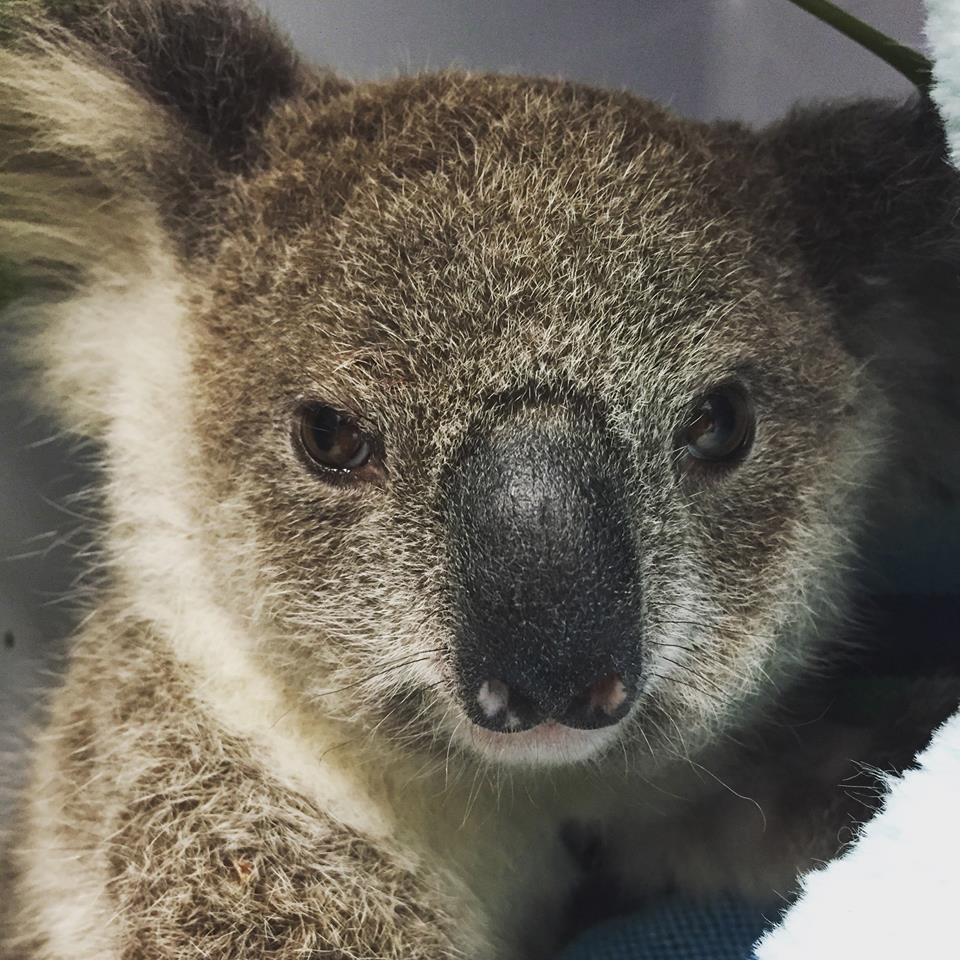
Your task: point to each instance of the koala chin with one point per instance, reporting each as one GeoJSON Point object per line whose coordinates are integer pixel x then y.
{"type": "Point", "coordinates": [484, 468]}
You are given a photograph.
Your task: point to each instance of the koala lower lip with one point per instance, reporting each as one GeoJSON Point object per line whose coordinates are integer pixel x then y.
{"type": "Point", "coordinates": [549, 743]}
{"type": "Point", "coordinates": [548, 730]}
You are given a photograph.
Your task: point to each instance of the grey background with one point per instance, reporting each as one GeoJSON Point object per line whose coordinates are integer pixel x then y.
{"type": "Point", "coordinates": [707, 58]}
{"type": "Point", "coordinates": [748, 59]}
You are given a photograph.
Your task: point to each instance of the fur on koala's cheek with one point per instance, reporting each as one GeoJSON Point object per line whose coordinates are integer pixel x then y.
{"type": "Point", "coordinates": [179, 554]}
{"type": "Point", "coordinates": [749, 598]}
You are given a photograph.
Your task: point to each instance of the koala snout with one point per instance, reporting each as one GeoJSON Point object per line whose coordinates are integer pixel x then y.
{"type": "Point", "coordinates": [543, 574]}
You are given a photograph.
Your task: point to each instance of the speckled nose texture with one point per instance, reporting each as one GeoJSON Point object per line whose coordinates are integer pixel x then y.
{"type": "Point", "coordinates": [544, 574]}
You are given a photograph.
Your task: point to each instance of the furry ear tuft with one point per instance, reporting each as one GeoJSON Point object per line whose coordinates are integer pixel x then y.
{"type": "Point", "coordinates": [122, 125]}
{"type": "Point", "coordinates": [218, 66]}
{"type": "Point", "coordinates": [159, 98]}
{"type": "Point", "coordinates": [870, 192]}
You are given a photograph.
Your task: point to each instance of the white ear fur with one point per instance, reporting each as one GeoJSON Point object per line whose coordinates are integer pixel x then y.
{"type": "Point", "coordinates": [943, 34]}
{"type": "Point", "coordinates": [76, 221]}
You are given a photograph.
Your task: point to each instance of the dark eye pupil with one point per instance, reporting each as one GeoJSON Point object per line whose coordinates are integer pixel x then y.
{"type": "Point", "coordinates": [721, 428]}
{"type": "Point", "coordinates": [332, 439]}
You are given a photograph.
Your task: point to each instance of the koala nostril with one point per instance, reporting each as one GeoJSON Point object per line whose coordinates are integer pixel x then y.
{"type": "Point", "coordinates": [493, 698]}
{"type": "Point", "coordinates": [608, 694]}
{"type": "Point", "coordinates": [602, 704]}
{"type": "Point", "coordinates": [504, 708]}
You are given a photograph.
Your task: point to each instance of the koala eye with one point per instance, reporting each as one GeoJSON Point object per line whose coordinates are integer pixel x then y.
{"type": "Point", "coordinates": [722, 426]}
{"type": "Point", "coordinates": [334, 441]}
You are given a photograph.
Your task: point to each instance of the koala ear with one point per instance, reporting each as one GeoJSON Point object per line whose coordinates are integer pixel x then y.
{"type": "Point", "coordinates": [162, 97]}
{"type": "Point", "coordinates": [871, 199]}
{"type": "Point", "coordinates": [216, 68]}
{"type": "Point", "coordinates": [213, 68]}
{"type": "Point", "coordinates": [869, 196]}
{"type": "Point", "coordinates": [123, 126]}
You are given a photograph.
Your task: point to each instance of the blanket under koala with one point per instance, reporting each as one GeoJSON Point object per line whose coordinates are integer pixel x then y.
{"type": "Point", "coordinates": [895, 892]}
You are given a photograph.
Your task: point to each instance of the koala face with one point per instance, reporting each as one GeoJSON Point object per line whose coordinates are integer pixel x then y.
{"type": "Point", "coordinates": [532, 432]}
{"type": "Point", "coordinates": [495, 414]}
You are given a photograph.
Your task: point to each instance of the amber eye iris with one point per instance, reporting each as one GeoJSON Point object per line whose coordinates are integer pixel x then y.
{"type": "Point", "coordinates": [722, 426]}
{"type": "Point", "coordinates": [332, 439]}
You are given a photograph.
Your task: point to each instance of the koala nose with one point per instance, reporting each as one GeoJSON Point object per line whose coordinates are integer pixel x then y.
{"type": "Point", "coordinates": [507, 709]}
{"type": "Point", "coordinates": [543, 573]}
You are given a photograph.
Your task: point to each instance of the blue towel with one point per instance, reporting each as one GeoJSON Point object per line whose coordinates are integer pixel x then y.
{"type": "Point", "coordinates": [678, 929]}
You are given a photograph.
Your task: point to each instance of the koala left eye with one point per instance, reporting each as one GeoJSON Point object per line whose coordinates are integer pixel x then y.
{"type": "Point", "coordinates": [335, 442]}
{"type": "Point", "coordinates": [722, 427]}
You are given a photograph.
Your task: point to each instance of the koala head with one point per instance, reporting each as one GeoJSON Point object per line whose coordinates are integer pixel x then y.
{"type": "Point", "coordinates": [491, 412]}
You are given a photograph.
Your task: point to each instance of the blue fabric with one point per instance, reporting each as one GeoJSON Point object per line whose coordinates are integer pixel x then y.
{"type": "Point", "coordinates": [677, 929]}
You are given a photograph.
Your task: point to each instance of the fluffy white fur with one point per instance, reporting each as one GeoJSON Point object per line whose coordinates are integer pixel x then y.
{"type": "Point", "coordinates": [943, 35]}
{"type": "Point", "coordinates": [895, 892]}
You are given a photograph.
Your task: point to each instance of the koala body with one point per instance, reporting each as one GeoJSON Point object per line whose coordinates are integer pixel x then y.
{"type": "Point", "coordinates": [483, 464]}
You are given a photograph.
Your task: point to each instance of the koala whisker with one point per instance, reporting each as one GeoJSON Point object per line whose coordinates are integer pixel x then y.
{"type": "Point", "coordinates": [646, 740]}
{"type": "Point", "coordinates": [371, 734]}
{"type": "Point", "coordinates": [710, 662]}
{"type": "Point", "coordinates": [672, 605]}
{"type": "Point", "coordinates": [706, 656]}
{"type": "Point", "coordinates": [696, 674]}
{"type": "Point", "coordinates": [696, 766]}
{"type": "Point", "coordinates": [626, 757]}
{"type": "Point", "coordinates": [394, 665]}
{"type": "Point", "coordinates": [693, 650]}
{"type": "Point", "coordinates": [726, 786]}
{"type": "Point", "coordinates": [703, 625]}
{"type": "Point", "coordinates": [686, 683]}
{"type": "Point", "coordinates": [450, 742]}
{"type": "Point", "coordinates": [475, 787]}
{"type": "Point", "coordinates": [666, 740]}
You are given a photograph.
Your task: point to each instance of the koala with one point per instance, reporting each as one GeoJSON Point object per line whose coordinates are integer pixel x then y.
{"type": "Point", "coordinates": [485, 471]}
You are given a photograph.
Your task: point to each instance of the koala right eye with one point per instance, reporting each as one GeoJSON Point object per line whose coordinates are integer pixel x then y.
{"type": "Point", "coordinates": [334, 442]}
{"type": "Point", "coordinates": [721, 428]}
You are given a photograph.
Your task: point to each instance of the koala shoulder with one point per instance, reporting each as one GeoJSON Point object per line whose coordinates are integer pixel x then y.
{"type": "Point", "coordinates": [190, 837]}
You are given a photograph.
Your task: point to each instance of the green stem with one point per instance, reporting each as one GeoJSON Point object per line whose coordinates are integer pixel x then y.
{"type": "Point", "coordinates": [913, 65]}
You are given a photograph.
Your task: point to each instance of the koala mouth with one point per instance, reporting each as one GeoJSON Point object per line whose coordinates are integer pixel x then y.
{"type": "Point", "coordinates": [509, 727]}
{"type": "Point", "coordinates": [547, 744]}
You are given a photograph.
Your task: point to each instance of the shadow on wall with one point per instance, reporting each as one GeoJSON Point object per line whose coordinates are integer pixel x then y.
{"type": "Point", "coordinates": [40, 536]}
